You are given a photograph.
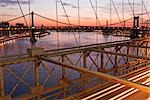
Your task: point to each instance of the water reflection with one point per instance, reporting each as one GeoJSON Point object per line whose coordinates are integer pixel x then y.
{"type": "Point", "coordinates": [66, 39]}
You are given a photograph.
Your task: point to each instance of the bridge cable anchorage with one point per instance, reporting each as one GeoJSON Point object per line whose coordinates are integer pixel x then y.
{"type": "Point", "coordinates": [22, 12]}
{"type": "Point", "coordinates": [69, 22]}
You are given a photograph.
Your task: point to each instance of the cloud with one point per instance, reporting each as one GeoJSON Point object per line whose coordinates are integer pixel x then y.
{"type": "Point", "coordinates": [144, 13]}
{"type": "Point", "coordinates": [76, 17]}
{"type": "Point", "coordinates": [5, 15]}
{"type": "Point", "coordinates": [4, 3]}
{"type": "Point", "coordinates": [69, 5]}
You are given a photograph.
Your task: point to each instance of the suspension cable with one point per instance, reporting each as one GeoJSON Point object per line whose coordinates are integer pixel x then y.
{"type": "Point", "coordinates": [22, 12]}
{"type": "Point", "coordinates": [53, 20]}
{"type": "Point", "coordinates": [122, 21]}
{"type": "Point", "coordinates": [17, 18]}
{"type": "Point", "coordinates": [68, 21]}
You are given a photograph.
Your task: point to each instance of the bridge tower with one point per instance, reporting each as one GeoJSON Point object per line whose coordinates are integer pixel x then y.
{"type": "Point", "coordinates": [136, 29]}
{"type": "Point", "coordinates": [32, 38]}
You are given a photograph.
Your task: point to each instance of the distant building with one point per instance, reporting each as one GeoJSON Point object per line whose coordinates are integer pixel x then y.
{"type": "Point", "coordinates": [19, 25]}
{"type": "Point", "coordinates": [4, 24]}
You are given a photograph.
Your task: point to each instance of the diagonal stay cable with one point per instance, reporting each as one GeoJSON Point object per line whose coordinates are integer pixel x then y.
{"type": "Point", "coordinates": [96, 17]}
{"type": "Point", "coordinates": [22, 12]}
{"type": "Point", "coordinates": [69, 21]}
{"type": "Point", "coordinates": [116, 12]}
{"type": "Point", "coordinates": [95, 12]}
{"type": "Point", "coordinates": [146, 9]}
{"type": "Point", "coordinates": [131, 7]}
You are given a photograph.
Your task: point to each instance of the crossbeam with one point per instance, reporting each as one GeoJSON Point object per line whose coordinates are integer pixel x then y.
{"type": "Point", "coordinates": [101, 75]}
{"type": "Point", "coordinates": [121, 54]}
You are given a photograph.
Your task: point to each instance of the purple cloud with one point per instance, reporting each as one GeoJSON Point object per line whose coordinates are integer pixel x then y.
{"type": "Point", "coordinates": [4, 3]}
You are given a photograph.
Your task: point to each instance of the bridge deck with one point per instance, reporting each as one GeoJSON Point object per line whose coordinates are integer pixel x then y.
{"type": "Point", "coordinates": [113, 91]}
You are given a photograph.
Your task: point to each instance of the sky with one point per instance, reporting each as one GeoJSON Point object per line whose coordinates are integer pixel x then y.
{"type": "Point", "coordinates": [9, 9]}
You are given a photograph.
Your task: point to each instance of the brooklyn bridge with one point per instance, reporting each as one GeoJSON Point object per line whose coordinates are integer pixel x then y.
{"type": "Point", "coordinates": [105, 69]}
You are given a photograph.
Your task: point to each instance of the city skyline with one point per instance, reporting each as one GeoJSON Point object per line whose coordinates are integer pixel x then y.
{"type": "Point", "coordinates": [10, 9]}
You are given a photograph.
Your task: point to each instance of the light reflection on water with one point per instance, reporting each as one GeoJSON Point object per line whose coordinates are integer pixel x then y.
{"type": "Point", "coordinates": [49, 42]}
{"type": "Point", "coordinates": [66, 39]}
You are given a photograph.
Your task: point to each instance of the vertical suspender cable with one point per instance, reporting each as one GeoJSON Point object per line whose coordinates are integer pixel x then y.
{"type": "Point", "coordinates": [123, 16]}
{"type": "Point", "coordinates": [110, 14]}
{"type": "Point", "coordinates": [96, 11]}
{"type": "Point", "coordinates": [133, 9]}
{"type": "Point", "coordinates": [142, 11]}
{"type": "Point", "coordinates": [122, 10]}
{"type": "Point", "coordinates": [79, 19]}
{"type": "Point", "coordinates": [29, 11]}
{"type": "Point", "coordinates": [57, 24]}
{"type": "Point", "coordinates": [78, 12]}
{"type": "Point", "coordinates": [96, 20]}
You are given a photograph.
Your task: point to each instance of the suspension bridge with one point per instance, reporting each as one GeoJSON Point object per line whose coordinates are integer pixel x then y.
{"type": "Point", "coordinates": [111, 70]}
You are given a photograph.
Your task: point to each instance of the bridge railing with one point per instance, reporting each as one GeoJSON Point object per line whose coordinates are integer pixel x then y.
{"type": "Point", "coordinates": [50, 73]}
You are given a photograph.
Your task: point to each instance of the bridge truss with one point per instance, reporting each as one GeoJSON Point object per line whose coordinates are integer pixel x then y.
{"type": "Point", "coordinates": [86, 72]}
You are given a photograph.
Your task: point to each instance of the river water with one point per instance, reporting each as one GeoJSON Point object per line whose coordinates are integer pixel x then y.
{"type": "Point", "coordinates": [63, 39]}
{"type": "Point", "coordinates": [66, 39]}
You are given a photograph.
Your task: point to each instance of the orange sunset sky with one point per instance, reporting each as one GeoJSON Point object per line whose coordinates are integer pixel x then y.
{"type": "Point", "coordinates": [120, 10]}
